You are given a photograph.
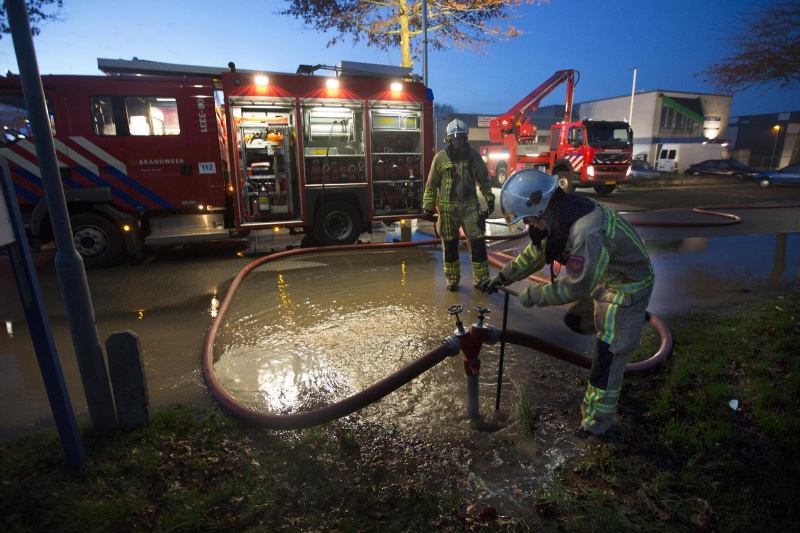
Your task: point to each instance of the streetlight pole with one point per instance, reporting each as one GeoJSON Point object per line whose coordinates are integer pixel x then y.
{"type": "Point", "coordinates": [633, 91]}
{"type": "Point", "coordinates": [777, 128]}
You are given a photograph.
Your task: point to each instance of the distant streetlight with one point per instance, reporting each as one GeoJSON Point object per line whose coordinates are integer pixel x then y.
{"type": "Point", "coordinates": [777, 128]}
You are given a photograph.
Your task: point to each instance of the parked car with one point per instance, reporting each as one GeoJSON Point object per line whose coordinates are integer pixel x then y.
{"type": "Point", "coordinates": [790, 175]}
{"type": "Point", "coordinates": [723, 167]}
{"type": "Point", "coordinates": [642, 169]}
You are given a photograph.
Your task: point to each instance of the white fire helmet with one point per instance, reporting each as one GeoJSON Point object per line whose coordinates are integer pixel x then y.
{"type": "Point", "coordinates": [455, 128]}
{"type": "Point", "coordinates": [526, 194]}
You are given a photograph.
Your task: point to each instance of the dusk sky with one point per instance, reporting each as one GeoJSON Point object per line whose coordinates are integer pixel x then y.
{"type": "Point", "coordinates": [669, 42]}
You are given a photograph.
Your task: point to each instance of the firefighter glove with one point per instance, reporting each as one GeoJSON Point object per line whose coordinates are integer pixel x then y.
{"type": "Point", "coordinates": [429, 216]}
{"type": "Point", "coordinates": [489, 208]}
{"type": "Point", "coordinates": [491, 285]}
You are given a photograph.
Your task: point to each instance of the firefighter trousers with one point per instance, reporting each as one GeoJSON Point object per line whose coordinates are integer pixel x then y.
{"type": "Point", "coordinates": [619, 333]}
{"type": "Point", "coordinates": [451, 220]}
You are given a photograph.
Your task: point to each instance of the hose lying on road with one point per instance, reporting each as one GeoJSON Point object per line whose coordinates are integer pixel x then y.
{"type": "Point", "coordinates": [583, 361]}
{"type": "Point", "coordinates": [387, 385]}
{"type": "Point", "coordinates": [714, 211]}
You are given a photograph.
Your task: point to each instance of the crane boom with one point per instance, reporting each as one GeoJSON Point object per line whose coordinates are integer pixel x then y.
{"type": "Point", "coordinates": [514, 126]}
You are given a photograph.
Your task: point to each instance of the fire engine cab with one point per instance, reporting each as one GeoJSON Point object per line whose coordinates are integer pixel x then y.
{"type": "Point", "coordinates": [157, 153]}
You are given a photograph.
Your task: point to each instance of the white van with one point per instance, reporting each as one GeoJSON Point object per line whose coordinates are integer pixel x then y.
{"type": "Point", "coordinates": [678, 157]}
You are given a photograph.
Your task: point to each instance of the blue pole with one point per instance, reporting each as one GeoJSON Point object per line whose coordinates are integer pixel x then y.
{"type": "Point", "coordinates": [69, 265]}
{"type": "Point", "coordinates": [39, 326]}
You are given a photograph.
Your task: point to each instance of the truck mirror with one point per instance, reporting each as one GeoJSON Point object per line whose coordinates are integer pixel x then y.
{"type": "Point", "coordinates": [11, 137]}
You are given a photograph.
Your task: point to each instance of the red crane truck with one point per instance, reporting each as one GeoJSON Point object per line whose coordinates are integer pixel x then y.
{"type": "Point", "coordinates": [587, 153]}
{"type": "Point", "coordinates": [193, 155]}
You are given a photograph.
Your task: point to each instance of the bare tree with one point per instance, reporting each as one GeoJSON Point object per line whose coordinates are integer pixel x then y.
{"type": "Point", "coordinates": [392, 24]}
{"type": "Point", "coordinates": [39, 11]}
{"type": "Point", "coordinates": [765, 51]}
{"type": "Point", "coordinates": [443, 110]}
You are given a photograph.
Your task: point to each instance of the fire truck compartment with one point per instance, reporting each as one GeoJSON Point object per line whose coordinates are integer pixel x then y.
{"type": "Point", "coordinates": [174, 229]}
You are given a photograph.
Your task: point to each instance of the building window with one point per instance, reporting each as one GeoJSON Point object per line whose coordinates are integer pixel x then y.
{"type": "Point", "coordinates": [677, 124]}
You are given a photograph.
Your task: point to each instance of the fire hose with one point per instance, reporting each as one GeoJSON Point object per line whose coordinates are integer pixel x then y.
{"type": "Point", "coordinates": [467, 341]}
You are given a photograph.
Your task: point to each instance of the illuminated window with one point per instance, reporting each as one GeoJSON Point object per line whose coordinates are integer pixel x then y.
{"type": "Point", "coordinates": [152, 116]}
{"type": "Point", "coordinates": [134, 115]}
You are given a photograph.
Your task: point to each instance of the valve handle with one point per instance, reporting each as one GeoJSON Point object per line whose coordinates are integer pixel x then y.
{"type": "Point", "coordinates": [482, 310]}
{"type": "Point", "coordinates": [455, 309]}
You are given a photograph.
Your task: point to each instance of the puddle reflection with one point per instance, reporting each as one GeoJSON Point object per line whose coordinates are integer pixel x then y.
{"type": "Point", "coordinates": [302, 333]}
{"type": "Point", "coordinates": [697, 273]}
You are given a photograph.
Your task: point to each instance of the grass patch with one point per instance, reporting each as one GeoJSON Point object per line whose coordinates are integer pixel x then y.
{"type": "Point", "coordinates": [528, 413]}
{"type": "Point", "coordinates": [683, 460]}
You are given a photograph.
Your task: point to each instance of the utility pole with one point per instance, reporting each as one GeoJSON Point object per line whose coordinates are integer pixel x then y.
{"type": "Point", "coordinates": [69, 265]}
{"type": "Point", "coordinates": [425, 42]}
{"type": "Point", "coordinates": [633, 91]}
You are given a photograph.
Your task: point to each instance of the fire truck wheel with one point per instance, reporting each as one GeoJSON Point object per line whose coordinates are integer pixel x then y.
{"type": "Point", "coordinates": [604, 189]}
{"type": "Point", "coordinates": [337, 223]}
{"type": "Point", "coordinates": [500, 176]}
{"type": "Point", "coordinates": [565, 182]}
{"type": "Point", "coordinates": [96, 239]}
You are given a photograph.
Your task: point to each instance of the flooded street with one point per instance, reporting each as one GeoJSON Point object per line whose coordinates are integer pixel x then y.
{"type": "Point", "coordinates": [302, 334]}
{"type": "Point", "coordinates": [312, 329]}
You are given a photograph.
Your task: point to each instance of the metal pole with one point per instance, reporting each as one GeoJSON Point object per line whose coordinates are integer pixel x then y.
{"type": "Point", "coordinates": [777, 128]}
{"type": "Point", "coordinates": [19, 255]}
{"type": "Point", "coordinates": [633, 91]}
{"type": "Point", "coordinates": [473, 411]}
{"type": "Point", "coordinates": [69, 265]}
{"type": "Point", "coordinates": [425, 42]}
{"type": "Point", "coordinates": [502, 352]}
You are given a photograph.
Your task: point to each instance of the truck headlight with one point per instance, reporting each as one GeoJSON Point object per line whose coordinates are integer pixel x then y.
{"type": "Point", "coordinates": [590, 171]}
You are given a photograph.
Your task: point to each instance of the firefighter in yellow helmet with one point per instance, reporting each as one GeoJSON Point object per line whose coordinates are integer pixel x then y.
{"type": "Point", "coordinates": [455, 174]}
{"type": "Point", "coordinates": [609, 279]}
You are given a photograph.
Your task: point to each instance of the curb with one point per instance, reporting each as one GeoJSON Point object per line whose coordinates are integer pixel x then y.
{"type": "Point", "coordinates": [682, 180]}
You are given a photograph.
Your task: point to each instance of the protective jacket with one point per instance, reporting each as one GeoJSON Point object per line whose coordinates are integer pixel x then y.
{"type": "Point", "coordinates": [604, 257]}
{"type": "Point", "coordinates": [610, 277]}
{"type": "Point", "coordinates": [454, 179]}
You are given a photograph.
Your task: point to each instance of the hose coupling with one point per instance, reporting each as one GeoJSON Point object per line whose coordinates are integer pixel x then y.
{"type": "Point", "coordinates": [453, 346]}
{"type": "Point", "coordinates": [492, 335]}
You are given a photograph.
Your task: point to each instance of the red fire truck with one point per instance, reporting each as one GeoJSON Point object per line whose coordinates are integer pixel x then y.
{"type": "Point", "coordinates": [588, 153]}
{"type": "Point", "coordinates": [185, 155]}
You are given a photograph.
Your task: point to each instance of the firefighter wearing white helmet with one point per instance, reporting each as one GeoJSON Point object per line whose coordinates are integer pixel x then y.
{"type": "Point", "coordinates": [455, 175]}
{"type": "Point", "coordinates": [608, 278]}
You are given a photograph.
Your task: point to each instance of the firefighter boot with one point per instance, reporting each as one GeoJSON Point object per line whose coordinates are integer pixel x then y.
{"type": "Point", "coordinates": [480, 261]}
{"type": "Point", "coordinates": [452, 264]}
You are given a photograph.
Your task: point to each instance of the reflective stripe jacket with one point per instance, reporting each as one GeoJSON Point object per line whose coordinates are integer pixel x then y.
{"type": "Point", "coordinates": [452, 183]}
{"type": "Point", "coordinates": [605, 259]}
